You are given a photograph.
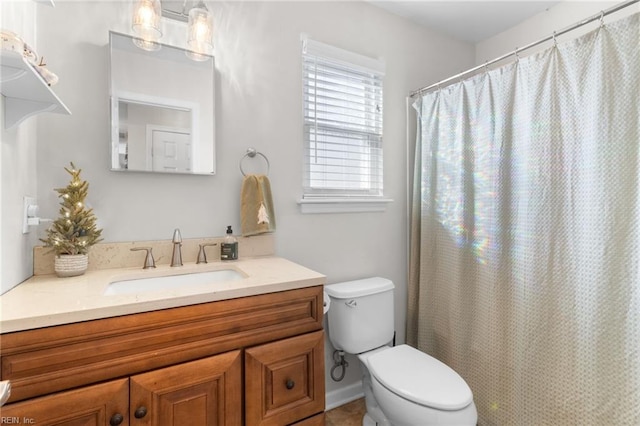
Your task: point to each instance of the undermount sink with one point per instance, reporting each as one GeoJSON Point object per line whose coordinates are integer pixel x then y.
{"type": "Point", "coordinates": [150, 284]}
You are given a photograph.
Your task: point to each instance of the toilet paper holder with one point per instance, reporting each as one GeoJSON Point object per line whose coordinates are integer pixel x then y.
{"type": "Point", "coordinates": [326, 303]}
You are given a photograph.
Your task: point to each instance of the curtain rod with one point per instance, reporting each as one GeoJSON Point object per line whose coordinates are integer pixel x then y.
{"type": "Point", "coordinates": [553, 36]}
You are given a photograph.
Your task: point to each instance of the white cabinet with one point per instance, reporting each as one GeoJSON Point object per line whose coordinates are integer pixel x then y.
{"type": "Point", "coordinates": [25, 91]}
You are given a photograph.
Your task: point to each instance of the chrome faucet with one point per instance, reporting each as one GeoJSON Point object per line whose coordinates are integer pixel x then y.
{"type": "Point", "coordinates": [149, 262]}
{"type": "Point", "coordinates": [202, 255]}
{"type": "Point", "coordinates": [176, 257]}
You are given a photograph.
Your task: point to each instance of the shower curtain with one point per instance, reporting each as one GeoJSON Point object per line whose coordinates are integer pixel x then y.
{"type": "Point", "coordinates": [525, 248]}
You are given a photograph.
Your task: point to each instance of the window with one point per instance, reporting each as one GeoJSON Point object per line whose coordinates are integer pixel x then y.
{"type": "Point", "coordinates": [342, 101]}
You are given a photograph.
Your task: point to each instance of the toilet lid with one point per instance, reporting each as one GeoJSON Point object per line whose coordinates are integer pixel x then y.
{"type": "Point", "coordinates": [358, 288]}
{"type": "Point", "coordinates": [420, 378]}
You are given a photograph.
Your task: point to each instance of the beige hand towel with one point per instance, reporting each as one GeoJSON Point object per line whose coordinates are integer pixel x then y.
{"type": "Point", "coordinates": [256, 206]}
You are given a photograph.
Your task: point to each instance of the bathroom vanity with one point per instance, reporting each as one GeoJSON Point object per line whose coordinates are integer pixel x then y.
{"type": "Point", "coordinates": [244, 353]}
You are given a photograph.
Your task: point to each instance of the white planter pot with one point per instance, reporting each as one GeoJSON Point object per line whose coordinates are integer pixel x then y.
{"type": "Point", "coordinates": [70, 265]}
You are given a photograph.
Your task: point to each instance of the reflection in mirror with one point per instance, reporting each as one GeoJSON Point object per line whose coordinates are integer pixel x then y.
{"type": "Point", "coordinates": [162, 109]}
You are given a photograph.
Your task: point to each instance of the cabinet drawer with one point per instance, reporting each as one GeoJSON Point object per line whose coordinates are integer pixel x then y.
{"type": "Point", "coordinates": [91, 406]}
{"type": "Point", "coordinates": [284, 380]}
{"type": "Point", "coordinates": [52, 359]}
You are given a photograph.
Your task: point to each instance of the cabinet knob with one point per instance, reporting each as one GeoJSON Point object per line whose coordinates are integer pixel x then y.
{"type": "Point", "coordinates": [140, 412]}
{"type": "Point", "coordinates": [290, 384]}
{"type": "Point", "coordinates": [116, 419]}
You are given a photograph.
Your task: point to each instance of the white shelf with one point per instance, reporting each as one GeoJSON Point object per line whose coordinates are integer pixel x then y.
{"type": "Point", "coordinates": [25, 91]}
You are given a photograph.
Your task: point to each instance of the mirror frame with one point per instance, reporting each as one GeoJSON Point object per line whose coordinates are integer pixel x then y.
{"type": "Point", "coordinates": [116, 96]}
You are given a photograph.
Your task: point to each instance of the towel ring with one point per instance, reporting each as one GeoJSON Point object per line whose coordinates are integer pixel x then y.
{"type": "Point", "coordinates": [251, 152]}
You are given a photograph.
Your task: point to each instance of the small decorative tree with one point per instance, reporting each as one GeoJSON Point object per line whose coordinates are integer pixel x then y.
{"type": "Point", "coordinates": [75, 231]}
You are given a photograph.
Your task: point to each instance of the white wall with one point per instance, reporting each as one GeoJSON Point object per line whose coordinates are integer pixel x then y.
{"type": "Point", "coordinates": [258, 104]}
{"type": "Point", "coordinates": [17, 164]}
{"type": "Point", "coordinates": [557, 18]}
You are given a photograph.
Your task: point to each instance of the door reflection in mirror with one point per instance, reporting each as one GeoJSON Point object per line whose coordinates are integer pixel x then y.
{"type": "Point", "coordinates": [153, 137]}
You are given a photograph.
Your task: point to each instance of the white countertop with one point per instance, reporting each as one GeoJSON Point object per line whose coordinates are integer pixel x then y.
{"type": "Point", "coordinates": [47, 300]}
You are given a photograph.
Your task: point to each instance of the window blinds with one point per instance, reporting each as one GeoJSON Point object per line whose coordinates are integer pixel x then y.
{"type": "Point", "coordinates": [342, 122]}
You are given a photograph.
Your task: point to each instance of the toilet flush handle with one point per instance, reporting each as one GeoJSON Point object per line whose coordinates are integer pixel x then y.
{"type": "Point", "coordinates": [351, 303]}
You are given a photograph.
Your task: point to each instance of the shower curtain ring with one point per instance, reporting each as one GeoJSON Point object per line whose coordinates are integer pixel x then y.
{"type": "Point", "coordinates": [555, 41]}
{"type": "Point", "coordinates": [517, 55]}
{"type": "Point", "coordinates": [601, 18]}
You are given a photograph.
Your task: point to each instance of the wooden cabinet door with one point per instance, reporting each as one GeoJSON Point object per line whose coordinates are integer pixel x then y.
{"type": "Point", "coordinates": [284, 380]}
{"type": "Point", "coordinates": [206, 392]}
{"type": "Point", "coordinates": [98, 405]}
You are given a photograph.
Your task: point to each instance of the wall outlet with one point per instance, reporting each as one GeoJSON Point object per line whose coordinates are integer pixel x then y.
{"type": "Point", "coordinates": [30, 210]}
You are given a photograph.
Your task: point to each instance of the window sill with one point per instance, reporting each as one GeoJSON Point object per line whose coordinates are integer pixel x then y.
{"type": "Point", "coordinates": [343, 205]}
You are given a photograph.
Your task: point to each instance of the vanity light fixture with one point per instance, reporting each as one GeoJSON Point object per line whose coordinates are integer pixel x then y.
{"type": "Point", "coordinates": [146, 24]}
{"type": "Point", "coordinates": [199, 20]}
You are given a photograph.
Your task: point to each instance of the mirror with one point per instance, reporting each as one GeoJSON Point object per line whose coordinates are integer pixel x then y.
{"type": "Point", "coordinates": [162, 109]}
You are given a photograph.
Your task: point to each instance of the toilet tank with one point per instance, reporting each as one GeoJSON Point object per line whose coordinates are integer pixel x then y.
{"type": "Point", "coordinates": [361, 314]}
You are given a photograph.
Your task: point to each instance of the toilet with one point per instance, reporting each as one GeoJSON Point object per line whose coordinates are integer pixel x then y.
{"type": "Point", "coordinates": [402, 385]}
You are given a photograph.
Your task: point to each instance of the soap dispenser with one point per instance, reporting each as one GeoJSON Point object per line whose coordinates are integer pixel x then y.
{"type": "Point", "coordinates": [229, 247]}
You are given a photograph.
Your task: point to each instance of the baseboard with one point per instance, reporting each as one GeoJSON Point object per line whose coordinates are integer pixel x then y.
{"type": "Point", "coordinates": [342, 396]}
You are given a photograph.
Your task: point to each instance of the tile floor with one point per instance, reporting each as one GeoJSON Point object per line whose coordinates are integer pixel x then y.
{"type": "Point", "coordinates": [346, 415]}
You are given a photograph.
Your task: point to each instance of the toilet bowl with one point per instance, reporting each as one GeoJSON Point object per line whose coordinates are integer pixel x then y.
{"type": "Point", "coordinates": [415, 389]}
{"type": "Point", "coordinates": [402, 385]}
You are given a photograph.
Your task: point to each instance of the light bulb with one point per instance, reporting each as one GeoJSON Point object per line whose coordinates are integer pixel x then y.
{"type": "Point", "coordinates": [145, 13]}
